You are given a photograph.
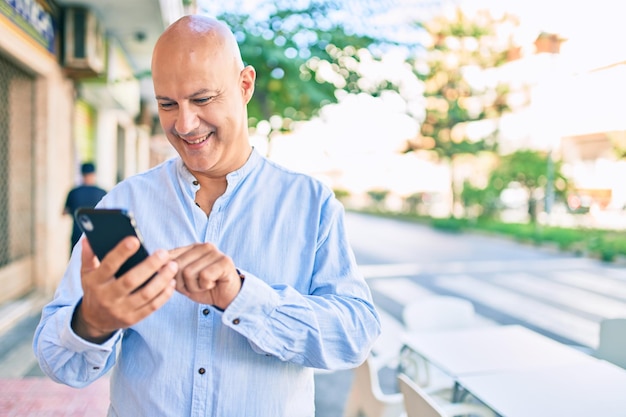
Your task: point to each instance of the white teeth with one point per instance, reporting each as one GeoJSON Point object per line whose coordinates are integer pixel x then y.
{"type": "Point", "coordinates": [197, 141]}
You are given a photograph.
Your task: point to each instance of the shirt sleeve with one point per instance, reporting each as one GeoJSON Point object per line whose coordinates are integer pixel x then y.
{"type": "Point", "coordinates": [63, 355]}
{"type": "Point", "coordinates": [331, 327]}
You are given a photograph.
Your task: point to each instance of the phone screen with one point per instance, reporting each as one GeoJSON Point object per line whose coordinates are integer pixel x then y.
{"type": "Point", "coordinates": [105, 228]}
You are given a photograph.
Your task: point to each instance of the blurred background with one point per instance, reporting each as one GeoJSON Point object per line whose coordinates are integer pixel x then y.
{"type": "Point", "coordinates": [493, 115]}
{"type": "Point", "coordinates": [426, 117]}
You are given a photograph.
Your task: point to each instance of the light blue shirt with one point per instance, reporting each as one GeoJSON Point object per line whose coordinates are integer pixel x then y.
{"type": "Point", "coordinates": [303, 304]}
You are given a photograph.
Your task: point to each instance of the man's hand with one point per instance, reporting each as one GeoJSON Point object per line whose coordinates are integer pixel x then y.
{"type": "Point", "coordinates": [206, 275]}
{"type": "Point", "coordinates": [110, 304]}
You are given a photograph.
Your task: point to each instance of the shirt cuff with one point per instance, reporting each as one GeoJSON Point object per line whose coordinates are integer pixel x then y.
{"type": "Point", "coordinates": [77, 344]}
{"type": "Point", "coordinates": [255, 302]}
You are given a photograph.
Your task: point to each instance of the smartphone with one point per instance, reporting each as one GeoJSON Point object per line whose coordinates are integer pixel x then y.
{"type": "Point", "coordinates": [105, 228]}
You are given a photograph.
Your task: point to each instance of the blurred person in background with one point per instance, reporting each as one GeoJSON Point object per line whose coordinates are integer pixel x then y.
{"type": "Point", "coordinates": [87, 194]}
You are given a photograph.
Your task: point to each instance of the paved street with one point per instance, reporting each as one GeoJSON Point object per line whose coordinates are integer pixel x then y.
{"type": "Point", "coordinates": [561, 296]}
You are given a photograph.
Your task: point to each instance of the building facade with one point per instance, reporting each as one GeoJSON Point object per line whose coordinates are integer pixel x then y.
{"type": "Point", "coordinates": [71, 91]}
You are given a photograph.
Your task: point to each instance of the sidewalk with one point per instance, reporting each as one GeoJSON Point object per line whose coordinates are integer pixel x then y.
{"type": "Point", "coordinates": [24, 390]}
{"type": "Point", "coordinates": [41, 397]}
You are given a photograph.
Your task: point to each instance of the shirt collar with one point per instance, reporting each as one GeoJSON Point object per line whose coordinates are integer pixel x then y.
{"type": "Point", "coordinates": [236, 176]}
{"type": "Point", "coordinates": [232, 178]}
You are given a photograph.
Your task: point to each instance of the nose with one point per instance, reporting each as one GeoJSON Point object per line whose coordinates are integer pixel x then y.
{"type": "Point", "coordinates": [186, 120]}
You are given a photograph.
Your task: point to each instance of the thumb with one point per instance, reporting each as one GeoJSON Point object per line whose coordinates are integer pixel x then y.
{"type": "Point", "coordinates": [89, 261]}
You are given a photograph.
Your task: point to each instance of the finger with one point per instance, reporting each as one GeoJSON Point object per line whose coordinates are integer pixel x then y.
{"type": "Point", "coordinates": [189, 278]}
{"type": "Point", "coordinates": [162, 280]}
{"type": "Point", "coordinates": [180, 285]}
{"type": "Point", "coordinates": [208, 276]}
{"type": "Point", "coordinates": [141, 273]}
{"type": "Point", "coordinates": [157, 301]}
{"type": "Point", "coordinates": [204, 273]}
{"type": "Point", "coordinates": [118, 255]}
{"type": "Point", "coordinates": [175, 253]}
{"type": "Point", "coordinates": [194, 252]}
{"type": "Point", "coordinates": [190, 263]}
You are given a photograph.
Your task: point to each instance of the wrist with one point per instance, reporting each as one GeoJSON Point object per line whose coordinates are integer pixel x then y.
{"type": "Point", "coordinates": [83, 329]}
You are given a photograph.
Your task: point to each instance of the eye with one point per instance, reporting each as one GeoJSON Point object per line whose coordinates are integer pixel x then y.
{"type": "Point", "coordinates": [203, 100]}
{"type": "Point", "coordinates": [166, 105]}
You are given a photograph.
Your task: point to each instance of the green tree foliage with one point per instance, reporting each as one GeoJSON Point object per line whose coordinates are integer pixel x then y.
{"type": "Point", "coordinates": [458, 44]}
{"type": "Point", "coordinates": [479, 202]}
{"type": "Point", "coordinates": [534, 171]}
{"type": "Point", "coordinates": [302, 58]}
{"type": "Point", "coordinates": [378, 197]}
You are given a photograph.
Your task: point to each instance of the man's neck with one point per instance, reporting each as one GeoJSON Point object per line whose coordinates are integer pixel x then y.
{"type": "Point", "coordinates": [210, 190]}
{"type": "Point", "coordinates": [89, 179]}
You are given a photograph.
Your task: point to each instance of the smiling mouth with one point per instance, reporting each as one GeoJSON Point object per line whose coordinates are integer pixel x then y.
{"type": "Point", "coordinates": [198, 141]}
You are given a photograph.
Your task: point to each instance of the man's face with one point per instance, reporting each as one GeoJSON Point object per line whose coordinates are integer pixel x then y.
{"type": "Point", "coordinates": [202, 98]}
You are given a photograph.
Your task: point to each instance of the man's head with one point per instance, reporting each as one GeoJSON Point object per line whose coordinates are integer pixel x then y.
{"type": "Point", "coordinates": [203, 88]}
{"type": "Point", "coordinates": [88, 171]}
{"type": "Point", "coordinates": [87, 168]}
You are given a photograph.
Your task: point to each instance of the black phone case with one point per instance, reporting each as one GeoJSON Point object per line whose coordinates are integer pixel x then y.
{"type": "Point", "coordinates": [105, 228]}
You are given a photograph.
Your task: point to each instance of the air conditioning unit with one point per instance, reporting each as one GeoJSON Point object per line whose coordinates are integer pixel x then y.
{"type": "Point", "coordinates": [84, 44]}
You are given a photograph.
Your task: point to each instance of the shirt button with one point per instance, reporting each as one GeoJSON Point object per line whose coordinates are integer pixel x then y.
{"type": "Point", "coordinates": [236, 321]}
{"type": "Point", "coordinates": [201, 371]}
{"type": "Point", "coordinates": [206, 311]}
{"type": "Point", "coordinates": [195, 182]}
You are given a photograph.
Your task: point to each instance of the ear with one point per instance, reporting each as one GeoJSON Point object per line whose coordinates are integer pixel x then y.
{"type": "Point", "coordinates": [246, 80]}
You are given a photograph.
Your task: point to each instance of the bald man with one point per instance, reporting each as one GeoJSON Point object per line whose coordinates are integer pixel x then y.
{"type": "Point", "coordinates": [255, 286]}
